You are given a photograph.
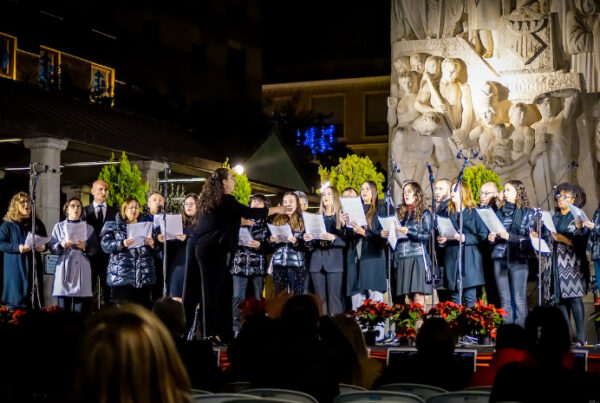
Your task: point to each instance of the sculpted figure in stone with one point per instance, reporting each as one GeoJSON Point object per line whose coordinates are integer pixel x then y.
{"type": "Point", "coordinates": [400, 64]}
{"type": "Point", "coordinates": [490, 111]}
{"type": "Point", "coordinates": [500, 149]}
{"type": "Point", "coordinates": [417, 63]}
{"type": "Point", "coordinates": [554, 135]}
{"type": "Point", "coordinates": [583, 41]}
{"type": "Point", "coordinates": [456, 94]}
{"type": "Point", "coordinates": [429, 99]}
{"type": "Point", "coordinates": [484, 24]}
{"type": "Point", "coordinates": [401, 109]}
{"type": "Point", "coordinates": [426, 19]}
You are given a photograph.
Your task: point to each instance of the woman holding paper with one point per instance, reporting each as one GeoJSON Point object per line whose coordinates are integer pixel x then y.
{"type": "Point", "coordinates": [566, 275]}
{"type": "Point", "coordinates": [73, 240]}
{"type": "Point", "coordinates": [289, 260]}
{"type": "Point", "coordinates": [250, 260]}
{"type": "Point", "coordinates": [208, 256]}
{"type": "Point", "coordinates": [512, 250]}
{"type": "Point", "coordinates": [131, 272]}
{"type": "Point", "coordinates": [16, 291]}
{"type": "Point", "coordinates": [366, 275]}
{"type": "Point", "coordinates": [474, 231]}
{"type": "Point", "coordinates": [327, 258]}
{"type": "Point", "coordinates": [413, 266]}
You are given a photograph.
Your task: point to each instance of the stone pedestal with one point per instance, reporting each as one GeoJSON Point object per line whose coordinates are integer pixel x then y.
{"type": "Point", "coordinates": [82, 192]}
{"type": "Point", "coordinates": [150, 171]}
{"type": "Point", "coordinates": [46, 150]}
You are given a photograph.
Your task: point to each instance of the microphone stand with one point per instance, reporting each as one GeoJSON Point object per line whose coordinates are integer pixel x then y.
{"type": "Point", "coordinates": [388, 202]}
{"type": "Point", "coordinates": [164, 219]}
{"type": "Point", "coordinates": [432, 254]}
{"type": "Point", "coordinates": [33, 180]}
{"type": "Point", "coordinates": [538, 219]}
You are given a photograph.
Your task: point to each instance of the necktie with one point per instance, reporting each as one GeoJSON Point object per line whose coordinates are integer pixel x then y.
{"type": "Point", "coordinates": [100, 215]}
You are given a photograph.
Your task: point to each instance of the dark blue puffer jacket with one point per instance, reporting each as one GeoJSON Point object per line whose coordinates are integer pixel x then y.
{"type": "Point", "coordinates": [133, 267]}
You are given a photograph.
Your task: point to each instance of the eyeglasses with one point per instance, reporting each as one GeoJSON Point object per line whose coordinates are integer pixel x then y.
{"type": "Point", "coordinates": [133, 208]}
{"type": "Point", "coordinates": [74, 206]}
{"type": "Point", "coordinates": [484, 194]}
{"type": "Point", "coordinates": [563, 197]}
{"type": "Point", "coordinates": [190, 204]}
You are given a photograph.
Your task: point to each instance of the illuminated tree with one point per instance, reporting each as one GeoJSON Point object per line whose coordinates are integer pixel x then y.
{"type": "Point", "coordinates": [124, 180]}
{"type": "Point", "coordinates": [352, 171]}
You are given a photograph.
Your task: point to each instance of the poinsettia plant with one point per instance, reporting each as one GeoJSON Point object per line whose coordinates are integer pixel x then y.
{"type": "Point", "coordinates": [447, 310]}
{"type": "Point", "coordinates": [372, 313]}
{"type": "Point", "coordinates": [484, 319]}
{"type": "Point", "coordinates": [406, 318]}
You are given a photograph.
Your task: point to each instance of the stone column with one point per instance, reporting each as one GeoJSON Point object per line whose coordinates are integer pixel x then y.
{"type": "Point", "coordinates": [150, 171]}
{"type": "Point", "coordinates": [46, 150]}
{"type": "Point", "coordinates": [82, 192]}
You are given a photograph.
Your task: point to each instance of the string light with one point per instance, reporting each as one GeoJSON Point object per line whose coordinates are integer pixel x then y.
{"type": "Point", "coordinates": [318, 139]}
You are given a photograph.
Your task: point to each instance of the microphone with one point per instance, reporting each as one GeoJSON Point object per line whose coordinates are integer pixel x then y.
{"type": "Point", "coordinates": [39, 168]}
{"type": "Point", "coordinates": [459, 155]}
{"type": "Point", "coordinates": [396, 168]}
{"type": "Point", "coordinates": [573, 164]}
{"type": "Point", "coordinates": [431, 177]}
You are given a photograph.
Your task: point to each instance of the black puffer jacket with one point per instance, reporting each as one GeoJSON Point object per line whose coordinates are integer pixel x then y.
{"type": "Point", "coordinates": [418, 235]}
{"type": "Point", "coordinates": [518, 223]}
{"type": "Point", "coordinates": [251, 261]}
{"type": "Point", "coordinates": [289, 254]}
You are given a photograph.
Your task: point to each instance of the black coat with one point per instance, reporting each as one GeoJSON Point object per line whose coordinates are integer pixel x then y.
{"type": "Point", "coordinates": [328, 255]}
{"type": "Point", "coordinates": [252, 261]}
{"type": "Point", "coordinates": [99, 261]}
{"type": "Point", "coordinates": [472, 270]}
{"type": "Point", "coordinates": [518, 223]}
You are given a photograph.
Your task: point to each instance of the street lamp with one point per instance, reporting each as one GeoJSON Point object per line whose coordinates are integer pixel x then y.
{"type": "Point", "coordinates": [238, 169]}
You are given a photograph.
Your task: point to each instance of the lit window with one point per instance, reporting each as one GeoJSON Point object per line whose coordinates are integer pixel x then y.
{"type": "Point", "coordinates": [8, 49]}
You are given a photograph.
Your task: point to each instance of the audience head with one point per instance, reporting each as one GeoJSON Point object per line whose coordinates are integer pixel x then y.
{"type": "Point", "coordinates": [349, 192]}
{"type": "Point", "coordinates": [435, 338]}
{"type": "Point", "coordinates": [189, 212]}
{"type": "Point", "coordinates": [130, 210]}
{"type": "Point", "coordinates": [514, 192]}
{"type": "Point", "coordinates": [259, 200]}
{"type": "Point", "coordinates": [129, 356]}
{"type": "Point", "coordinates": [72, 209]}
{"type": "Point", "coordinates": [172, 315]}
{"type": "Point", "coordinates": [302, 198]}
{"type": "Point", "coordinates": [547, 335]}
{"type": "Point", "coordinates": [488, 193]}
{"type": "Point", "coordinates": [441, 190]}
{"type": "Point", "coordinates": [219, 183]}
{"type": "Point", "coordinates": [156, 203]}
{"type": "Point", "coordinates": [353, 333]}
{"type": "Point", "coordinates": [99, 191]}
{"type": "Point", "coordinates": [510, 336]}
{"type": "Point", "coordinates": [300, 315]}
{"type": "Point", "coordinates": [19, 208]}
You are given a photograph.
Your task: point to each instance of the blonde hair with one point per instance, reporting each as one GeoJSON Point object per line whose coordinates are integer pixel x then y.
{"type": "Point", "coordinates": [124, 206]}
{"type": "Point", "coordinates": [12, 214]}
{"type": "Point", "coordinates": [130, 357]}
{"type": "Point", "coordinates": [468, 201]}
{"type": "Point", "coordinates": [337, 206]}
{"type": "Point", "coordinates": [295, 220]}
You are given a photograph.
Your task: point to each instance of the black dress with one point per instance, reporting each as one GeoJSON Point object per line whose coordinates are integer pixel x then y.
{"type": "Point", "coordinates": [207, 261]}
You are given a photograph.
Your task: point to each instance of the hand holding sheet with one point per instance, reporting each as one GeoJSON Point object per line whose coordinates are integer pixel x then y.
{"type": "Point", "coordinates": [446, 228]}
{"type": "Point", "coordinates": [536, 242]}
{"type": "Point", "coordinates": [244, 237]}
{"type": "Point", "coordinates": [76, 231]}
{"type": "Point", "coordinates": [314, 224]}
{"type": "Point", "coordinates": [491, 220]}
{"type": "Point", "coordinates": [578, 214]}
{"type": "Point", "coordinates": [174, 225]}
{"type": "Point", "coordinates": [389, 224]}
{"type": "Point", "coordinates": [139, 232]}
{"type": "Point", "coordinates": [39, 240]}
{"type": "Point", "coordinates": [354, 208]}
{"type": "Point", "coordinates": [281, 231]}
{"type": "Point", "coordinates": [547, 220]}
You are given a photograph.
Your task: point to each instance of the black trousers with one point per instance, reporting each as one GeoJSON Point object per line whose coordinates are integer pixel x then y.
{"type": "Point", "coordinates": [206, 275]}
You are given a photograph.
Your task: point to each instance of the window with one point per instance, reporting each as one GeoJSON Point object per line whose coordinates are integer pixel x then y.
{"type": "Point", "coordinates": [8, 50]}
{"type": "Point", "coordinates": [332, 106]}
{"type": "Point", "coordinates": [101, 82]}
{"type": "Point", "coordinates": [376, 114]}
{"type": "Point", "coordinates": [49, 67]}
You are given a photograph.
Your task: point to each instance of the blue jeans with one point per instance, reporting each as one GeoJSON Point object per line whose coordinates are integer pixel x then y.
{"type": "Point", "coordinates": [511, 280]}
{"type": "Point", "coordinates": [240, 286]}
{"type": "Point", "coordinates": [469, 296]}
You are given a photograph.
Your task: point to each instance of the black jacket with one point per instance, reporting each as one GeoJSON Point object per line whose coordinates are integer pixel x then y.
{"type": "Point", "coordinates": [418, 235]}
{"type": "Point", "coordinates": [90, 217]}
{"type": "Point", "coordinates": [328, 255]}
{"type": "Point", "coordinates": [518, 223]}
{"type": "Point", "coordinates": [252, 261]}
{"type": "Point", "coordinates": [289, 254]}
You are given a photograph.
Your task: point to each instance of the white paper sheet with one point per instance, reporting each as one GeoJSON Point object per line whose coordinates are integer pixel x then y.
{"type": "Point", "coordinates": [39, 240]}
{"type": "Point", "coordinates": [76, 231]}
{"type": "Point", "coordinates": [354, 207]}
{"type": "Point", "coordinates": [390, 224]}
{"type": "Point", "coordinates": [547, 220]}
{"type": "Point", "coordinates": [446, 228]}
{"type": "Point", "coordinates": [174, 225]}
{"type": "Point", "coordinates": [578, 213]}
{"type": "Point", "coordinates": [314, 224]}
{"type": "Point", "coordinates": [139, 232]}
{"type": "Point", "coordinates": [282, 231]}
{"type": "Point", "coordinates": [491, 220]}
{"type": "Point", "coordinates": [535, 242]}
{"type": "Point", "coordinates": [244, 236]}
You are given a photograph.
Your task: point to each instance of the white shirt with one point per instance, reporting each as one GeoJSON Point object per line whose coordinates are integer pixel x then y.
{"type": "Point", "coordinates": [97, 209]}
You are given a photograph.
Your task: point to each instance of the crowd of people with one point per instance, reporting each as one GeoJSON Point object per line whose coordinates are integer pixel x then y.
{"type": "Point", "coordinates": [213, 274]}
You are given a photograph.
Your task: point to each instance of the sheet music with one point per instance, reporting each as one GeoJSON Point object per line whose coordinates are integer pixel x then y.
{"type": "Point", "coordinates": [282, 231]}
{"type": "Point", "coordinates": [535, 242]}
{"type": "Point", "coordinates": [547, 220]}
{"type": "Point", "coordinates": [354, 207]}
{"type": "Point", "coordinates": [174, 225]}
{"type": "Point", "coordinates": [390, 224]}
{"type": "Point", "coordinates": [39, 240]}
{"type": "Point", "coordinates": [314, 224]}
{"type": "Point", "coordinates": [578, 213]}
{"type": "Point", "coordinates": [491, 220]}
{"type": "Point", "coordinates": [76, 231]}
{"type": "Point", "coordinates": [244, 236]}
{"type": "Point", "coordinates": [446, 228]}
{"type": "Point", "coordinates": [139, 232]}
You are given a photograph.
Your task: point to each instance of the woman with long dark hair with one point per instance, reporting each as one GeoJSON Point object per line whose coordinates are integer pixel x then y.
{"type": "Point", "coordinates": [206, 267]}
{"type": "Point", "coordinates": [566, 275]}
{"type": "Point", "coordinates": [366, 275]}
{"type": "Point", "coordinates": [410, 256]}
{"type": "Point", "coordinates": [510, 253]}
{"type": "Point", "coordinates": [327, 258]}
{"type": "Point", "coordinates": [474, 231]}
{"type": "Point", "coordinates": [18, 275]}
{"type": "Point", "coordinates": [289, 260]}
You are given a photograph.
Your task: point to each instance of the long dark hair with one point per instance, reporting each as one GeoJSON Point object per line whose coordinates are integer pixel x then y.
{"type": "Point", "coordinates": [419, 206]}
{"type": "Point", "coordinates": [521, 201]}
{"type": "Point", "coordinates": [295, 220]}
{"type": "Point", "coordinates": [190, 221]}
{"type": "Point", "coordinates": [374, 201]}
{"type": "Point", "coordinates": [213, 191]}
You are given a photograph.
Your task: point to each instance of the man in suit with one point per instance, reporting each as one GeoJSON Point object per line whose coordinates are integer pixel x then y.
{"type": "Point", "coordinates": [489, 197]}
{"type": "Point", "coordinates": [156, 205]}
{"type": "Point", "coordinates": [96, 214]}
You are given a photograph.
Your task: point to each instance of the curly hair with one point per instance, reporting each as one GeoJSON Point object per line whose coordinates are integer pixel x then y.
{"type": "Point", "coordinates": [12, 214]}
{"type": "Point", "coordinates": [521, 201]}
{"type": "Point", "coordinates": [468, 201]}
{"type": "Point", "coordinates": [213, 191]}
{"type": "Point", "coordinates": [420, 204]}
{"type": "Point", "coordinates": [579, 196]}
{"type": "Point", "coordinates": [295, 219]}
{"type": "Point", "coordinates": [189, 221]}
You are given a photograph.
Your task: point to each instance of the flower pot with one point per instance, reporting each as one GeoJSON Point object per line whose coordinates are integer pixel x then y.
{"type": "Point", "coordinates": [484, 339]}
{"type": "Point", "coordinates": [370, 336]}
